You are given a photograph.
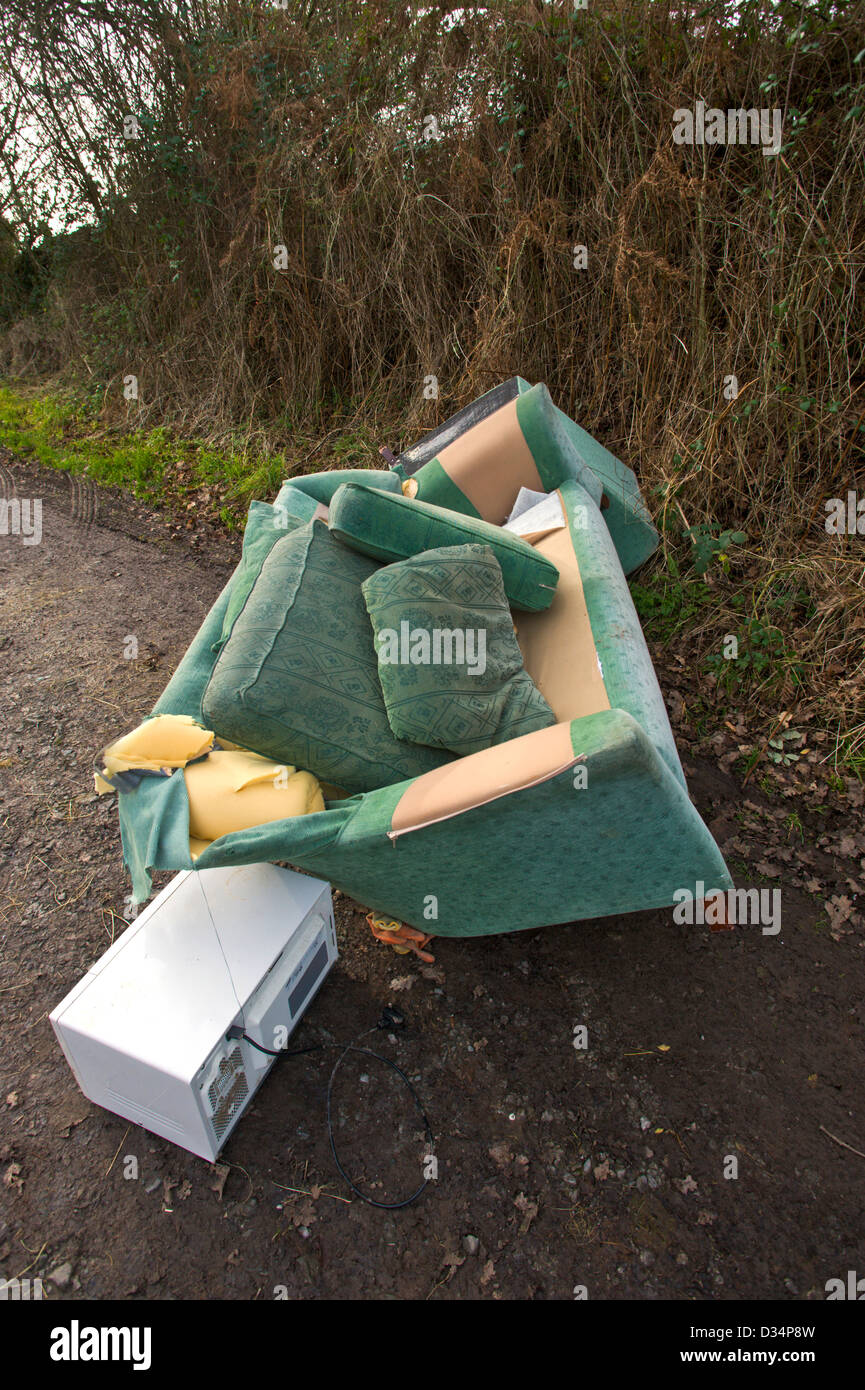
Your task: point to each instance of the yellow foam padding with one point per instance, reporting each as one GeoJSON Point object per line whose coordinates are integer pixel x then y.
{"type": "Point", "coordinates": [234, 790]}
{"type": "Point", "coordinates": [168, 740]}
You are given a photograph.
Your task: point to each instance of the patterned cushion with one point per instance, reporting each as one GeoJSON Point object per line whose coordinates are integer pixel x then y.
{"type": "Point", "coordinates": [389, 526]}
{"type": "Point", "coordinates": [296, 502]}
{"type": "Point", "coordinates": [448, 660]}
{"type": "Point", "coordinates": [297, 679]}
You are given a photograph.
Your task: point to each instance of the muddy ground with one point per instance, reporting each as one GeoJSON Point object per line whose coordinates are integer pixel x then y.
{"type": "Point", "coordinates": [607, 1168]}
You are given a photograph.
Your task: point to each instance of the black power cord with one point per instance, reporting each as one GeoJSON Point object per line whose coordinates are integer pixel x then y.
{"type": "Point", "coordinates": [391, 1018]}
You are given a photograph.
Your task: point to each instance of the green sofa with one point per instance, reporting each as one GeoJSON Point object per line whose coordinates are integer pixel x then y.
{"type": "Point", "coordinates": [585, 819]}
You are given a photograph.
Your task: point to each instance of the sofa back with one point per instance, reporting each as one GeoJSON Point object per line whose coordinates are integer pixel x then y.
{"type": "Point", "coordinates": [522, 444]}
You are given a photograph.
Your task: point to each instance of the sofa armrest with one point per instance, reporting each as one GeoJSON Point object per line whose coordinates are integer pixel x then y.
{"type": "Point", "coordinates": [482, 777]}
{"type": "Point", "coordinates": [607, 742]}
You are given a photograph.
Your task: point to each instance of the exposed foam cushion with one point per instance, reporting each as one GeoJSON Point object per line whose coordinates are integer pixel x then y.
{"type": "Point", "coordinates": [388, 526]}
{"type": "Point", "coordinates": [166, 741]}
{"type": "Point", "coordinates": [297, 680]}
{"type": "Point", "coordinates": [233, 790]}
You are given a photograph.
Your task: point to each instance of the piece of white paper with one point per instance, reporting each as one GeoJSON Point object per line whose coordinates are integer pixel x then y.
{"type": "Point", "coordinates": [525, 499]}
{"type": "Point", "coordinates": [539, 512]}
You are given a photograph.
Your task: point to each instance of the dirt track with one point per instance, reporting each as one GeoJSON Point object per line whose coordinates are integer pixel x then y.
{"type": "Point", "coordinates": [603, 1168]}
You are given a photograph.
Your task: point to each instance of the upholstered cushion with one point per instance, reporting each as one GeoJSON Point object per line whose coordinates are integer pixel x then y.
{"type": "Point", "coordinates": [389, 526]}
{"type": "Point", "coordinates": [265, 525]}
{"type": "Point", "coordinates": [297, 679]}
{"type": "Point", "coordinates": [297, 501]}
{"type": "Point", "coordinates": [450, 668]}
{"type": "Point", "coordinates": [322, 486]}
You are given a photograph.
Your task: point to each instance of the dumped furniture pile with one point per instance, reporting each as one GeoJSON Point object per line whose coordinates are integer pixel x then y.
{"type": "Point", "coordinates": [429, 686]}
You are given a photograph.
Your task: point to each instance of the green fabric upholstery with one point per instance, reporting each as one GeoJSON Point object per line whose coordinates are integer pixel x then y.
{"type": "Point", "coordinates": [322, 486]}
{"type": "Point", "coordinates": [556, 458]}
{"type": "Point", "coordinates": [629, 676]}
{"type": "Point", "coordinates": [388, 526]}
{"type": "Point", "coordinates": [434, 485]}
{"type": "Point", "coordinates": [292, 508]}
{"type": "Point", "coordinates": [443, 604]}
{"type": "Point", "coordinates": [626, 841]}
{"type": "Point", "coordinates": [154, 829]}
{"type": "Point", "coordinates": [625, 513]}
{"type": "Point", "coordinates": [297, 679]}
{"type": "Point", "coordinates": [184, 691]}
{"type": "Point", "coordinates": [264, 527]}
{"type": "Point", "coordinates": [555, 852]}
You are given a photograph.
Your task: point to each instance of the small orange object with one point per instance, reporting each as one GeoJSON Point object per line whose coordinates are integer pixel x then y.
{"type": "Point", "coordinates": [722, 920]}
{"type": "Point", "coordinates": [401, 937]}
